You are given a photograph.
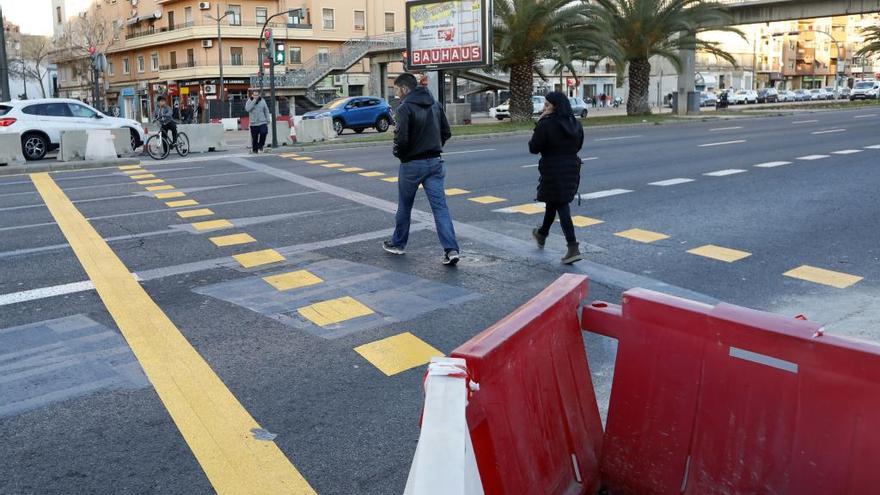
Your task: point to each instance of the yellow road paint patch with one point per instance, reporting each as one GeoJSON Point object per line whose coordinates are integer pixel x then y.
{"type": "Point", "coordinates": [293, 280]}
{"type": "Point", "coordinates": [288, 155]}
{"type": "Point", "coordinates": [372, 174]}
{"type": "Point", "coordinates": [398, 353]}
{"type": "Point", "coordinates": [195, 213]}
{"type": "Point", "coordinates": [332, 165]}
{"type": "Point", "coordinates": [487, 200]}
{"type": "Point", "coordinates": [640, 235]}
{"type": "Point", "coordinates": [150, 181]}
{"type": "Point", "coordinates": [527, 209]}
{"type": "Point", "coordinates": [390, 179]}
{"type": "Point", "coordinates": [334, 311]}
{"type": "Point", "coordinates": [129, 167]}
{"type": "Point", "coordinates": [316, 162]}
{"type": "Point", "coordinates": [456, 191]}
{"type": "Point", "coordinates": [133, 171]}
{"type": "Point", "coordinates": [232, 240]}
{"type": "Point", "coordinates": [212, 224]}
{"type": "Point", "coordinates": [302, 158]}
{"type": "Point", "coordinates": [217, 428]}
{"type": "Point", "coordinates": [582, 221]}
{"type": "Point", "coordinates": [258, 258]}
{"type": "Point", "coordinates": [824, 277]}
{"type": "Point", "coordinates": [160, 188]}
{"type": "Point", "coordinates": [142, 176]}
{"type": "Point", "coordinates": [719, 253]}
{"type": "Point", "coordinates": [169, 195]}
{"type": "Point", "coordinates": [184, 202]}
{"type": "Point", "coordinates": [352, 169]}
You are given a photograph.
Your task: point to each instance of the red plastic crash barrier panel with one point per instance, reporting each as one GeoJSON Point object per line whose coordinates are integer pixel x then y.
{"type": "Point", "coordinates": [534, 422]}
{"type": "Point", "coordinates": [723, 399]}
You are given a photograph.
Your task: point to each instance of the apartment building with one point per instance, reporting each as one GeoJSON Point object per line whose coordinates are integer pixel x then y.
{"type": "Point", "coordinates": [171, 47]}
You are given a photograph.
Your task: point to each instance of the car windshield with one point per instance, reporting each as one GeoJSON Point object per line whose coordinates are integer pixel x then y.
{"type": "Point", "coordinates": [4, 109]}
{"type": "Point", "coordinates": [864, 85]}
{"type": "Point", "coordinates": [335, 103]}
{"type": "Point", "coordinates": [537, 99]}
{"type": "Point", "coordinates": [741, 92]}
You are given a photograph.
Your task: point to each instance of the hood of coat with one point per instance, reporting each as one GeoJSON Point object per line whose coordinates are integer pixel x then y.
{"type": "Point", "coordinates": [569, 125]}
{"type": "Point", "coordinates": [420, 96]}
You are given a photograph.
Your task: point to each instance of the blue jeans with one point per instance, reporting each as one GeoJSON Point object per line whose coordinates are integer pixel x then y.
{"type": "Point", "coordinates": [430, 173]}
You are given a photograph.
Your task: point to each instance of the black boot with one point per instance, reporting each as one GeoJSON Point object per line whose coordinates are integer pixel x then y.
{"type": "Point", "coordinates": [573, 254]}
{"type": "Point", "coordinates": [539, 238]}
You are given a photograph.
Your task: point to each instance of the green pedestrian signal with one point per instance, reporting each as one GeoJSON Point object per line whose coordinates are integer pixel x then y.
{"type": "Point", "coordinates": [280, 57]}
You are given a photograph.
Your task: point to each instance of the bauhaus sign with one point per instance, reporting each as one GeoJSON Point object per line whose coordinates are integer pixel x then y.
{"type": "Point", "coordinates": [447, 34]}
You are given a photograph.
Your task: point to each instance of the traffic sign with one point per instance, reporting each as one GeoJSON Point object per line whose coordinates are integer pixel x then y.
{"type": "Point", "coordinates": [267, 63]}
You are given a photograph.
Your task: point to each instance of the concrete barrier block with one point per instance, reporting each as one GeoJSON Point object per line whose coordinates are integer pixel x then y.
{"type": "Point", "coordinates": [122, 142]}
{"type": "Point", "coordinates": [458, 113]}
{"type": "Point", "coordinates": [283, 130]}
{"type": "Point", "coordinates": [204, 137]}
{"type": "Point", "coordinates": [73, 146]}
{"type": "Point", "coordinates": [229, 124]}
{"type": "Point", "coordinates": [99, 145]}
{"type": "Point", "coordinates": [313, 130]}
{"type": "Point", "coordinates": [10, 149]}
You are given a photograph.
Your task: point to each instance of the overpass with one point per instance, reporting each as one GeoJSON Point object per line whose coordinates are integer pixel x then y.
{"type": "Point", "coordinates": [757, 11]}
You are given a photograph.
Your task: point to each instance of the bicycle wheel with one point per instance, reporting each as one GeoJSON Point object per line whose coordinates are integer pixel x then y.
{"type": "Point", "coordinates": [156, 147]}
{"type": "Point", "coordinates": [182, 144]}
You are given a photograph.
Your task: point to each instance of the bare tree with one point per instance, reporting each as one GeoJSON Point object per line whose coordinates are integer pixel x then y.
{"type": "Point", "coordinates": [32, 61]}
{"type": "Point", "coordinates": [89, 30]}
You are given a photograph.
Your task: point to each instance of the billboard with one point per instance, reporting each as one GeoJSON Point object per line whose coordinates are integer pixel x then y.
{"type": "Point", "coordinates": [448, 34]}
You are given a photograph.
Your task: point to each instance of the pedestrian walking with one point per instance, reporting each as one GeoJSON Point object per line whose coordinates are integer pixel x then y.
{"type": "Point", "coordinates": [558, 138]}
{"type": "Point", "coordinates": [259, 116]}
{"type": "Point", "coordinates": [419, 136]}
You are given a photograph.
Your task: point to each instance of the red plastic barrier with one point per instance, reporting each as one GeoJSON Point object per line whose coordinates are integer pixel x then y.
{"type": "Point", "coordinates": [725, 399]}
{"type": "Point", "coordinates": [534, 422]}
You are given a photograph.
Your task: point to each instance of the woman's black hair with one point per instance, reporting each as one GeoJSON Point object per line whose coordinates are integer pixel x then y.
{"type": "Point", "coordinates": [561, 104]}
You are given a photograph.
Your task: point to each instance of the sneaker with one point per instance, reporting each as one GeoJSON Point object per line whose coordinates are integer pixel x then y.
{"type": "Point", "coordinates": [451, 258]}
{"type": "Point", "coordinates": [391, 248]}
{"type": "Point", "coordinates": [573, 254]}
{"type": "Point", "coordinates": [539, 238]}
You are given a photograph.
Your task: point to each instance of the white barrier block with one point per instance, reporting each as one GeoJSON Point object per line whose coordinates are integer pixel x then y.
{"type": "Point", "coordinates": [122, 141]}
{"type": "Point", "coordinates": [99, 145]}
{"type": "Point", "coordinates": [10, 149]}
{"type": "Point", "coordinates": [73, 146]}
{"type": "Point", "coordinates": [444, 462]}
{"type": "Point", "coordinates": [204, 137]}
{"type": "Point", "coordinates": [229, 124]}
{"type": "Point", "coordinates": [283, 130]}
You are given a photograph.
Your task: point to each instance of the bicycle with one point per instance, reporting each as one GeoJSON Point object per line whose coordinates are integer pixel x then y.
{"type": "Point", "coordinates": [159, 146]}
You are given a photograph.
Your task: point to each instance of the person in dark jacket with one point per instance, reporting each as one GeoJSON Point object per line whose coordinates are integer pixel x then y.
{"type": "Point", "coordinates": [420, 132]}
{"type": "Point", "coordinates": [558, 137]}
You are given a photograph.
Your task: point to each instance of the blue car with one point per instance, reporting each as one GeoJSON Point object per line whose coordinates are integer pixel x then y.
{"type": "Point", "coordinates": [356, 113]}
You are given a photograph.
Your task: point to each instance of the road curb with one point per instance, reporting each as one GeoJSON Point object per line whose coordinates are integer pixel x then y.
{"type": "Point", "coordinates": [62, 166]}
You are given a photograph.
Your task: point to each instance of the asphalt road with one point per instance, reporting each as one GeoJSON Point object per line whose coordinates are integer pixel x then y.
{"type": "Point", "coordinates": [78, 414]}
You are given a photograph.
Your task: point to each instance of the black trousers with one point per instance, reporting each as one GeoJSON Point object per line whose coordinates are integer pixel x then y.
{"type": "Point", "coordinates": [258, 136]}
{"type": "Point", "coordinates": [172, 128]}
{"type": "Point", "coordinates": [564, 212]}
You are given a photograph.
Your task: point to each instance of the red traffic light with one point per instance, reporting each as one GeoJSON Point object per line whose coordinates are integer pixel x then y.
{"type": "Point", "coordinates": [267, 34]}
{"type": "Point", "coordinates": [92, 50]}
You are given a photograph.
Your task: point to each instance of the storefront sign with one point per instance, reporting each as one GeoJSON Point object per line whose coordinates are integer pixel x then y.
{"type": "Point", "coordinates": [444, 34]}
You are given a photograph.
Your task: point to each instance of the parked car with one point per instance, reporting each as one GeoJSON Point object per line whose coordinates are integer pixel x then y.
{"type": "Point", "coordinates": [356, 113]}
{"type": "Point", "coordinates": [832, 92]}
{"type": "Point", "coordinates": [802, 95]}
{"type": "Point", "coordinates": [865, 90]}
{"type": "Point", "coordinates": [819, 94]}
{"type": "Point", "coordinates": [502, 111]}
{"type": "Point", "coordinates": [40, 123]}
{"type": "Point", "coordinates": [578, 106]}
{"type": "Point", "coordinates": [744, 96]}
{"type": "Point", "coordinates": [768, 95]}
{"type": "Point", "coordinates": [843, 93]}
{"type": "Point", "coordinates": [708, 99]}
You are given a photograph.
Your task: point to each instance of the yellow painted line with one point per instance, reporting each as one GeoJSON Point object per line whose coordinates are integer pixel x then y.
{"type": "Point", "coordinates": [150, 181]}
{"type": "Point", "coordinates": [203, 212]}
{"type": "Point", "coordinates": [334, 311]}
{"type": "Point", "coordinates": [582, 221]}
{"type": "Point", "coordinates": [211, 225]}
{"type": "Point", "coordinates": [824, 277]}
{"type": "Point", "coordinates": [160, 188]}
{"type": "Point", "coordinates": [217, 428]}
{"type": "Point", "coordinates": [527, 209]}
{"type": "Point", "coordinates": [316, 162]}
{"type": "Point", "coordinates": [487, 200]}
{"type": "Point", "coordinates": [372, 174]}
{"type": "Point", "coordinates": [258, 258]}
{"type": "Point", "coordinates": [142, 176]}
{"type": "Point", "coordinates": [170, 195]}
{"type": "Point", "coordinates": [398, 353]}
{"type": "Point", "coordinates": [133, 171]}
{"type": "Point", "coordinates": [351, 169]}
{"type": "Point", "coordinates": [293, 280]}
{"type": "Point", "coordinates": [719, 253]}
{"type": "Point", "coordinates": [232, 240]}
{"type": "Point", "coordinates": [288, 155]}
{"type": "Point", "coordinates": [390, 179]}
{"type": "Point", "coordinates": [302, 158]}
{"type": "Point", "coordinates": [129, 167]}
{"type": "Point", "coordinates": [456, 191]}
{"type": "Point", "coordinates": [332, 165]}
{"type": "Point", "coordinates": [185, 202]}
{"type": "Point", "coordinates": [640, 235]}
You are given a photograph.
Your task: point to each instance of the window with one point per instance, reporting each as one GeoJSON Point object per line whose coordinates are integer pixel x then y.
{"type": "Point", "coordinates": [62, 72]}
{"type": "Point", "coordinates": [81, 111]}
{"type": "Point", "coordinates": [171, 20]}
{"type": "Point", "coordinates": [235, 17]}
{"type": "Point", "coordinates": [323, 55]}
{"type": "Point", "coordinates": [190, 58]}
{"type": "Point", "coordinates": [359, 20]}
{"type": "Point", "coordinates": [126, 69]}
{"type": "Point", "coordinates": [53, 110]}
{"type": "Point", "coordinates": [141, 63]}
{"type": "Point", "coordinates": [262, 14]}
{"type": "Point", "coordinates": [173, 56]}
{"type": "Point", "coordinates": [109, 69]}
{"type": "Point", "coordinates": [296, 17]}
{"type": "Point", "coordinates": [58, 15]}
{"type": "Point", "coordinates": [237, 58]}
{"type": "Point", "coordinates": [329, 23]}
{"type": "Point", "coordinates": [389, 22]}
{"type": "Point", "coordinates": [188, 16]}
{"type": "Point", "coordinates": [295, 55]}
{"type": "Point", "coordinates": [154, 62]}
{"type": "Point", "coordinates": [115, 30]}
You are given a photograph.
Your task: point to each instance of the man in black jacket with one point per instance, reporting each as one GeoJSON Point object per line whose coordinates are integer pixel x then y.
{"type": "Point", "coordinates": [420, 133]}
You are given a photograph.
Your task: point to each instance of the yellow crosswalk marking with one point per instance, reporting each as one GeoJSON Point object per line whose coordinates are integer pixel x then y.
{"type": "Point", "coordinates": [398, 353]}
{"type": "Point", "coordinates": [390, 179]}
{"type": "Point", "coordinates": [133, 171]}
{"type": "Point", "coordinates": [334, 311]}
{"type": "Point", "coordinates": [527, 209]}
{"type": "Point", "coordinates": [130, 167]}
{"type": "Point", "coordinates": [195, 213]}
{"type": "Point", "coordinates": [332, 165]}
{"type": "Point", "coordinates": [160, 188]}
{"type": "Point", "coordinates": [487, 200]}
{"type": "Point", "coordinates": [184, 202]}
{"type": "Point", "coordinates": [352, 169]}
{"type": "Point", "coordinates": [582, 221]}
{"type": "Point", "coordinates": [719, 253]}
{"type": "Point", "coordinates": [288, 155]}
{"type": "Point", "coordinates": [211, 225]}
{"type": "Point", "coordinates": [316, 162]}
{"type": "Point", "coordinates": [258, 258]}
{"type": "Point", "coordinates": [839, 280]}
{"type": "Point", "coordinates": [302, 158]}
{"type": "Point", "coordinates": [232, 240]}
{"type": "Point", "coordinates": [372, 174]}
{"type": "Point", "coordinates": [150, 181]}
{"type": "Point", "coordinates": [169, 195]}
{"type": "Point", "coordinates": [142, 176]}
{"type": "Point", "coordinates": [456, 191]}
{"type": "Point", "coordinates": [640, 235]}
{"type": "Point", "coordinates": [293, 280]}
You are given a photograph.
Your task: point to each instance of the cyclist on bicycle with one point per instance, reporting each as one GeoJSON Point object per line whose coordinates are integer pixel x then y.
{"type": "Point", "coordinates": [164, 117]}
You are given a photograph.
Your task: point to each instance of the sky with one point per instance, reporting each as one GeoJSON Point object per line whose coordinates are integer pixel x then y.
{"type": "Point", "coordinates": [34, 16]}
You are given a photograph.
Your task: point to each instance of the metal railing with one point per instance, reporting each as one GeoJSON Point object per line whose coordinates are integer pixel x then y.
{"type": "Point", "coordinates": [140, 33]}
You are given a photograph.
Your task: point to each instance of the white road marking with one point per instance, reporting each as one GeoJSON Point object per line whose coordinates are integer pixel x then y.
{"type": "Point", "coordinates": [530, 166]}
{"type": "Point", "coordinates": [738, 141]}
{"type": "Point", "coordinates": [873, 147]}
{"type": "Point", "coordinates": [44, 292]}
{"type": "Point", "coordinates": [619, 138]}
{"type": "Point", "coordinates": [865, 116]}
{"type": "Point", "coordinates": [729, 171]}
{"type": "Point", "coordinates": [605, 194]}
{"type": "Point", "coordinates": [846, 152]}
{"type": "Point", "coordinates": [772, 164]}
{"type": "Point", "coordinates": [805, 121]}
{"type": "Point", "coordinates": [670, 182]}
{"type": "Point", "coordinates": [829, 131]}
{"type": "Point", "coordinates": [465, 152]}
{"type": "Point", "coordinates": [725, 128]}
{"type": "Point", "coordinates": [813, 157]}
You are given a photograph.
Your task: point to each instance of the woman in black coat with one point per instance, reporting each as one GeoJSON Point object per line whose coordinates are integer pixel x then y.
{"type": "Point", "coordinates": [558, 137]}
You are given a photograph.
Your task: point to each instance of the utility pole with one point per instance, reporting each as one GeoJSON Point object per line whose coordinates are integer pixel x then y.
{"type": "Point", "coordinates": [221, 97]}
{"type": "Point", "coordinates": [4, 62]}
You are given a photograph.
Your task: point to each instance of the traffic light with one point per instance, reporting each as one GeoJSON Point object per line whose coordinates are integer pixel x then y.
{"type": "Point", "coordinates": [280, 57]}
{"type": "Point", "coordinates": [270, 44]}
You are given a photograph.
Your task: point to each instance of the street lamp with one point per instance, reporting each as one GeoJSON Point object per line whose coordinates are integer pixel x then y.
{"type": "Point", "coordinates": [219, 19]}
{"type": "Point", "coordinates": [836, 43]}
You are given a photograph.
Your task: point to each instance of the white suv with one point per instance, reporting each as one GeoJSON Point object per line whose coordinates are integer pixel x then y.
{"type": "Point", "coordinates": [865, 90]}
{"type": "Point", "coordinates": [40, 123]}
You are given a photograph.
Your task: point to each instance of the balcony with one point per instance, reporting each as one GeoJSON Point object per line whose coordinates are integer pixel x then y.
{"type": "Point", "coordinates": [140, 37]}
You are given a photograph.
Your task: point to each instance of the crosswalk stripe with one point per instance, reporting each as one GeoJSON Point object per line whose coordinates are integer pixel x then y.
{"type": "Point", "coordinates": [605, 194]}
{"type": "Point", "coordinates": [839, 280]}
{"type": "Point", "coordinates": [398, 353]}
{"type": "Point", "coordinates": [812, 157]}
{"type": "Point", "coordinates": [639, 235]}
{"type": "Point", "coordinates": [670, 182]}
{"type": "Point", "coordinates": [723, 173]}
{"type": "Point", "coordinates": [772, 164]}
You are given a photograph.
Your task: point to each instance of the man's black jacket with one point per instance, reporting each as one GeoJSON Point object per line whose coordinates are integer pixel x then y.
{"type": "Point", "coordinates": [421, 127]}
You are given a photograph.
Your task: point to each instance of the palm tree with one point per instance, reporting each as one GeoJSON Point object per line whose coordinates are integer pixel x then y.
{"type": "Point", "coordinates": [528, 31]}
{"type": "Point", "coordinates": [636, 30]}
{"type": "Point", "coordinates": [872, 42]}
